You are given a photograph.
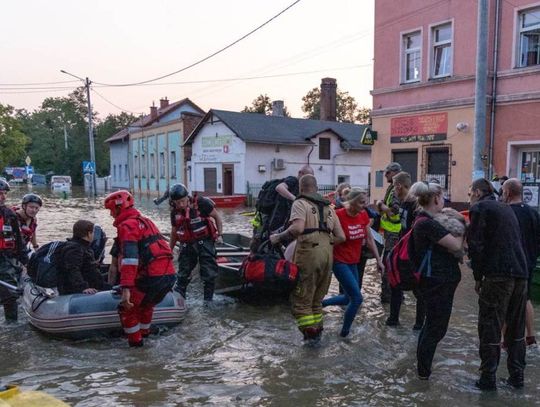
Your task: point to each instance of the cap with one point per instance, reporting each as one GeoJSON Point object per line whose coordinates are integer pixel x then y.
{"type": "Point", "coordinates": [393, 167]}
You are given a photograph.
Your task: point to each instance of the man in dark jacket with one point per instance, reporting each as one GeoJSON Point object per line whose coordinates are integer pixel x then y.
{"type": "Point", "coordinates": [529, 225]}
{"type": "Point", "coordinates": [500, 271]}
{"type": "Point", "coordinates": [78, 271]}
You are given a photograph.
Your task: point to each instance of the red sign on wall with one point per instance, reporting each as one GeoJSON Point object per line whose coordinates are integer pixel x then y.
{"type": "Point", "coordinates": [429, 127]}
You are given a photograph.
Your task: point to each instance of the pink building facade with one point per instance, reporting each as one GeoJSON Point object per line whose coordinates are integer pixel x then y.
{"type": "Point", "coordinates": [424, 87]}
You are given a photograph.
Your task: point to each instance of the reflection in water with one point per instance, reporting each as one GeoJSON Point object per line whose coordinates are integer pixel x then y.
{"type": "Point", "coordinates": [239, 354]}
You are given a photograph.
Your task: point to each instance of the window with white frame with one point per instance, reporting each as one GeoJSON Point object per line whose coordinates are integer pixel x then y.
{"type": "Point", "coordinates": [412, 57]}
{"type": "Point", "coordinates": [136, 166]}
{"type": "Point", "coordinates": [441, 53]}
{"type": "Point", "coordinates": [529, 37]}
{"type": "Point", "coordinates": [173, 164]}
{"type": "Point", "coordinates": [152, 165]}
{"type": "Point", "coordinates": [162, 165]}
{"type": "Point", "coordinates": [143, 166]}
{"type": "Point", "coordinates": [119, 172]}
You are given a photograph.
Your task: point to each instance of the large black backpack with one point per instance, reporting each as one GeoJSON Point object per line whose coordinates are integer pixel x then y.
{"type": "Point", "coordinates": [43, 264]}
{"type": "Point", "coordinates": [268, 196]}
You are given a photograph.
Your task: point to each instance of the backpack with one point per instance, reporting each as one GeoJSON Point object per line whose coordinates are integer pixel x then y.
{"type": "Point", "coordinates": [268, 196]}
{"type": "Point", "coordinates": [43, 264]}
{"type": "Point", "coordinates": [400, 268]}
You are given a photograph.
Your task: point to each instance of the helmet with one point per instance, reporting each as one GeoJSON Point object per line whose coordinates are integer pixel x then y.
{"type": "Point", "coordinates": [122, 199]}
{"type": "Point", "coordinates": [32, 198]}
{"type": "Point", "coordinates": [4, 185]}
{"type": "Point", "coordinates": [178, 191]}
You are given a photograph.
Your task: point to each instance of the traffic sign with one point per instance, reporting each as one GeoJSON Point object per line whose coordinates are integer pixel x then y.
{"type": "Point", "coordinates": [89, 167]}
{"type": "Point", "coordinates": [29, 169]}
{"type": "Point", "coordinates": [28, 161]}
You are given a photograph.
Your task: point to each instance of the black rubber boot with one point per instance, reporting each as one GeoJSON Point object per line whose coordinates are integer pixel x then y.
{"type": "Point", "coordinates": [487, 382]}
{"type": "Point", "coordinates": [208, 292]}
{"type": "Point", "coordinates": [11, 312]}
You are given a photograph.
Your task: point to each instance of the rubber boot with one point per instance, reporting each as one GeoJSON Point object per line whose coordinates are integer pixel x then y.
{"type": "Point", "coordinates": [11, 312]}
{"type": "Point", "coordinates": [208, 292]}
{"type": "Point", "coordinates": [487, 382]}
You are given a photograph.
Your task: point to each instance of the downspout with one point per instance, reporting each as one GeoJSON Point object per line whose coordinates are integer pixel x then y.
{"type": "Point", "coordinates": [309, 154]}
{"type": "Point", "coordinates": [494, 88]}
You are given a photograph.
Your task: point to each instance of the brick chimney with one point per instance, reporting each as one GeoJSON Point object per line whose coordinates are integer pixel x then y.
{"type": "Point", "coordinates": [153, 111]}
{"type": "Point", "coordinates": [328, 106]}
{"type": "Point", "coordinates": [163, 102]}
{"type": "Point", "coordinates": [277, 108]}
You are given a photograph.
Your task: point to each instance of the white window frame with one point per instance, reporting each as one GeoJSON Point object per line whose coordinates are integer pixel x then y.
{"type": "Point", "coordinates": [404, 51]}
{"type": "Point", "coordinates": [433, 44]}
{"type": "Point", "coordinates": [173, 164]}
{"type": "Point", "coordinates": [519, 30]}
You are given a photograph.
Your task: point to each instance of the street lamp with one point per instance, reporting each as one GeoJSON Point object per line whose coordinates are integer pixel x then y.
{"type": "Point", "coordinates": [87, 83]}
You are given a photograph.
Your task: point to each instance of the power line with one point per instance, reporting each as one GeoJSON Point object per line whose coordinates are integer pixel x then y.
{"type": "Point", "coordinates": [32, 91]}
{"type": "Point", "coordinates": [113, 104]}
{"type": "Point", "coordinates": [207, 57]}
{"type": "Point", "coordinates": [36, 83]}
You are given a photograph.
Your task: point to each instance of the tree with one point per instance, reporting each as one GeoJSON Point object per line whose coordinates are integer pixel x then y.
{"type": "Point", "coordinates": [263, 104]}
{"type": "Point", "coordinates": [105, 129]}
{"type": "Point", "coordinates": [346, 106]}
{"type": "Point", "coordinates": [13, 141]}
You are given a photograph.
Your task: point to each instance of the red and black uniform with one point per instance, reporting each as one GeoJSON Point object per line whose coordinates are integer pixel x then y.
{"type": "Point", "coordinates": [146, 268]}
{"type": "Point", "coordinates": [12, 254]}
{"type": "Point", "coordinates": [197, 233]}
{"type": "Point", "coordinates": [27, 230]}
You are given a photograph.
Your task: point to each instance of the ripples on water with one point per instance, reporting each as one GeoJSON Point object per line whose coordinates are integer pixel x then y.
{"type": "Point", "coordinates": [240, 354]}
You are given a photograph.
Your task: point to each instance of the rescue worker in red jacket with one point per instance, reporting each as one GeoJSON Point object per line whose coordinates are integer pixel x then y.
{"type": "Point", "coordinates": [12, 254]}
{"type": "Point", "coordinates": [197, 225]}
{"type": "Point", "coordinates": [26, 214]}
{"type": "Point", "coordinates": [145, 264]}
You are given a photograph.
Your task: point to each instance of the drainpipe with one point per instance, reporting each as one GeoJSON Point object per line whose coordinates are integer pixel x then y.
{"type": "Point", "coordinates": [309, 154]}
{"type": "Point", "coordinates": [494, 88]}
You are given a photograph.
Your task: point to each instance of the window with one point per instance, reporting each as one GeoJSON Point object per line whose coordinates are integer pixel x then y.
{"type": "Point", "coordinates": [152, 165]}
{"type": "Point", "coordinates": [136, 166]}
{"type": "Point", "coordinates": [173, 164]}
{"type": "Point", "coordinates": [530, 168]}
{"type": "Point", "coordinates": [119, 172]}
{"type": "Point", "coordinates": [143, 166]}
{"type": "Point", "coordinates": [529, 37]}
{"type": "Point", "coordinates": [441, 39]}
{"type": "Point", "coordinates": [126, 173]}
{"type": "Point", "coordinates": [162, 165]}
{"type": "Point", "coordinates": [324, 148]}
{"type": "Point", "coordinates": [114, 172]}
{"type": "Point", "coordinates": [412, 57]}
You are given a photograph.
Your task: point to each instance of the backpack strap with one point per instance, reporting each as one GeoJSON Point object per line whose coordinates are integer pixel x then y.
{"type": "Point", "coordinates": [51, 250]}
{"type": "Point", "coordinates": [320, 204]}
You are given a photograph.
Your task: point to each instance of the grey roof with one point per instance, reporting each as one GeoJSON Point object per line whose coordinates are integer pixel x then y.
{"type": "Point", "coordinates": [260, 128]}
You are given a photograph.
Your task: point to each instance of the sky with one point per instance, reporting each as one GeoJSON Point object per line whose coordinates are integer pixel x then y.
{"type": "Point", "coordinates": [121, 41]}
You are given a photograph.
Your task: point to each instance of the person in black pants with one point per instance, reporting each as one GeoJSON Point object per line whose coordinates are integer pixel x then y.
{"type": "Point", "coordinates": [440, 280]}
{"type": "Point", "coordinates": [407, 213]}
{"type": "Point", "coordinates": [500, 271]}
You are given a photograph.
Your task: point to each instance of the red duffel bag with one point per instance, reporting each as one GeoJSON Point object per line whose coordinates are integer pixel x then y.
{"type": "Point", "coordinates": [269, 270]}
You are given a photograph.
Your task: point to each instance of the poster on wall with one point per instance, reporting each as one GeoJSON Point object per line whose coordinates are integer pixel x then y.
{"type": "Point", "coordinates": [422, 128]}
{"type": "Point", "coordinates": [530, 195]}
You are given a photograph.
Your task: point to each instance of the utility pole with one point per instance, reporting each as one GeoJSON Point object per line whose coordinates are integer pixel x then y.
{"type": "Point", "coordinates": [480, 101]}
{"type": "Point", "coordinates": [91, 135]}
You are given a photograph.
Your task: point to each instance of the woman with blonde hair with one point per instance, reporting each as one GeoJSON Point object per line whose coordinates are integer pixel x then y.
{"type": "Point", "coordinates": [438, 284]}
{"type": "Point", "coordinates": [355, 223]}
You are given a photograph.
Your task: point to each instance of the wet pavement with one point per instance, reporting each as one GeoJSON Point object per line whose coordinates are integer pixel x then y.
{"type": "Point", "coordinates": [246, 355]}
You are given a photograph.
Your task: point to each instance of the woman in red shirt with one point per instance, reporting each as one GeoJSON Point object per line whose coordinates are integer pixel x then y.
{"type": "Point", "coordinates": [355, 223]}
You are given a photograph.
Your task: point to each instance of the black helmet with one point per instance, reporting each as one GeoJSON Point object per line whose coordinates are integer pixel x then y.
{"type": "Point", "coordinates": [178, 191]}
{"type": "Point", "coordinates": [4, 185]}
{"type": "Point", "coordinates": [32, 198]}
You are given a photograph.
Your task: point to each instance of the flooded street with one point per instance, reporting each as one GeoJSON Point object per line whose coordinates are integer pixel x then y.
{"type": "Point", "coordinates": [239, 354]}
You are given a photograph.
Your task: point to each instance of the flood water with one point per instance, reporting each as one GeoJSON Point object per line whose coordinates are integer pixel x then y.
{"type": "Point", "coordinates": [246, 355]}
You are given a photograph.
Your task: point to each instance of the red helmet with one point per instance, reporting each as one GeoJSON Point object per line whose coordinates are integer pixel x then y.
{"type": "Point", "coordinates": [122, 199]}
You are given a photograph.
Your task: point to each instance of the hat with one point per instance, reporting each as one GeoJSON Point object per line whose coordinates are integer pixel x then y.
{"type": "Point", "coordinates": [393, 167]}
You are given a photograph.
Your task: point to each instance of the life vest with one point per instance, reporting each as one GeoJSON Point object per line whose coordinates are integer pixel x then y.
{"type": "Point", "coordinates": [152, 245]}
{"type": "Point", "coordinates": [7, 236]}
{"type": "Point", "coordinates": [191, 226]}
{"type": "Point", "coordinates": [27, 231]}
{"type": "Point", "coordinates": [391, 223]}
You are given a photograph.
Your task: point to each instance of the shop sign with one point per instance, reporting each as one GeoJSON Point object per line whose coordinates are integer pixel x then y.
{"type": "Point", "coordinates": [216, 144]}
{"type": "Point", "coordinates": [422, 128]}
{"type": "Point", "coordinates": [530, 195]}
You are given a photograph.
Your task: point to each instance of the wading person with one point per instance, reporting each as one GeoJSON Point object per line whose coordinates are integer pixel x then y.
{"type": "Point", "coordinates": [407, 213]}
{"type": "Point", "coordinates": [390, 222]}
{"type": "Point", "coordinates": [145, 264]}
{"type": "Point", "coordinates": [78, 269]}
{"type": "Point", "coordinates": [12, 254]}
{"type": "Point", "coordinates": [529, 226]}
{"type": "Point", "coordinates": [26, 214]}
{"type": "Point", "coordinates": [500, 271]}
{"type": "Point", "coordinates": [439, 282]}
{"type": "Point", "coordinates": [197, 225]}
{"type": "Point", "coordinates": [315, 226]}
{"type": "Point", "coordinates": [354, 221]}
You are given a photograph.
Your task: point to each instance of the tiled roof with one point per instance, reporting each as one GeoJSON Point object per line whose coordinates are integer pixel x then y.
{"type": "Point", "coordinates": [260, 128]}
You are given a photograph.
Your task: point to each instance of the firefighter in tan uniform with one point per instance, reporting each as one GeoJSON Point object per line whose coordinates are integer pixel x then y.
{"type": "Point", "coordinates": [315, 226]}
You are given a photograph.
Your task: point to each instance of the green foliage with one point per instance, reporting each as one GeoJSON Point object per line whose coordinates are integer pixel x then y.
{"type": "Point", "coordinates": [263, 104]}
{"type": "Point", "coordinates": [13, 141]}
{"type": "Point", "coordinates": [346, 106]}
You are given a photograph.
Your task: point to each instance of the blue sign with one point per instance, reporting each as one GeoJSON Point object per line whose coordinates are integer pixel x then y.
{"type": "Point", "coordinates": [29, 170]}
{"type": "Point", "coordinates": [89, 167]}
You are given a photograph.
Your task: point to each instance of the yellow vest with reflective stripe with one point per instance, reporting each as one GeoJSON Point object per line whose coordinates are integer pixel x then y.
{"type": "Point", "coordinates": [392, 223]}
